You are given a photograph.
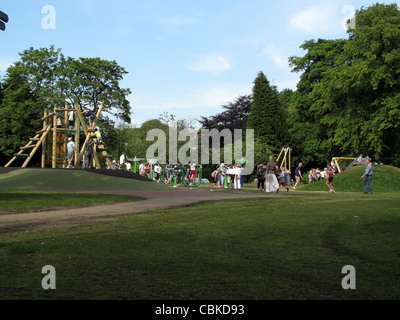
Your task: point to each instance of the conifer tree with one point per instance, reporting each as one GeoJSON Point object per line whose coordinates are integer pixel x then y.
{"type": "Point", "coordinates": [265, 112]}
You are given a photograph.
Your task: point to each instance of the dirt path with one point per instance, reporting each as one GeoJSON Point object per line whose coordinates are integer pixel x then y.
{"type": "Point", "coordinates": [63, 218]}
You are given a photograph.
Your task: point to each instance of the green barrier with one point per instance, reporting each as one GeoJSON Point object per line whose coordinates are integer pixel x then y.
{"type": "Point", "coordinates": [192, 185]}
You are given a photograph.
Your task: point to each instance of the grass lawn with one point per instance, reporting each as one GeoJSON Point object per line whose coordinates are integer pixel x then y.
{"type": "Point", "coordinates": [254, 249]}
{"type": "Point", "coordinates": [61, 180]}
{"type": "Point", "coordinates": [19, 201]}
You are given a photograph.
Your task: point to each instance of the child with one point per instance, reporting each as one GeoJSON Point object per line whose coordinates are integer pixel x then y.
{"type": "Point", "coordinates": [282, 179]}
{"type": "Point", "coordinates": [331, 172]}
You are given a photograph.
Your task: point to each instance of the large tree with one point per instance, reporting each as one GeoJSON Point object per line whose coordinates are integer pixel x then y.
{"type": "Point", "coordinates": [359, 97]}
{"type": "Point", "coordinates": [311, 139]}
{"type": "Point", "coordinates": [266, 113]}
{"type": "Point", "coordinates": [44, 78]}
{"type": "Point", "coordinates": [234, 116]}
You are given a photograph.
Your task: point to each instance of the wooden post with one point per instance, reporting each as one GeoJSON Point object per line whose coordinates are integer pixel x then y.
{"type": "Point", "coordinates": [54, 147]}
{"type": "Point", "coordinates": [43, 138]}
{"type": "Point", "coordinates": [43, 163]}
{"type": "Point", "coordinates": [277, 159]}
{"type": "Point", "coordinates": [77, 134]}
{"type": "Point", "coordinates": [88, 134]}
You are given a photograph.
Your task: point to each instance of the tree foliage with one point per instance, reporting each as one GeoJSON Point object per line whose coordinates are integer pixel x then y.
{"type": "Point", "coordinates": [356, 96]}
{"type": "Point", "coordinates": [43, 78]}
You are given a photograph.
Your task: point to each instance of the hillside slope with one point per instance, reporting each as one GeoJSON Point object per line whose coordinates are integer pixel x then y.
{"type": "Point", "coordinates": [384, 179]}
{"type": "Point", "coordinates": [62, 179]}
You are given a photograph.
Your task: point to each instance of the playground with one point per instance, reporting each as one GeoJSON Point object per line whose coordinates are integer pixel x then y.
{"type": "Point", "coordinates": [199, 243]}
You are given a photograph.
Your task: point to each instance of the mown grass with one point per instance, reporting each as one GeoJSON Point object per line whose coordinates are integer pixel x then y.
{"type": "Point", "coordinates": [19, 201]}
{"type": "Point", "coordinates": [385, 179]}
{"type": "Point", "coordinates": [71, 180]}
{"type": "Point", "coordinates": [271, 248]}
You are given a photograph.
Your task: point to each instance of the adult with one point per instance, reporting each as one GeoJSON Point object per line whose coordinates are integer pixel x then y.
{"type": "Point", "coordinates": [331, 173]}
{"type": "Point", "coordinates": [260, 172]}
{"type": "Point", "coordinates": [271, 183]}
{"type": "Point", "coordinates": [122, 161]}
{"type": "Point", "coordinates": [70, 152]}
{"type": "Point", "coordinates": [298, 176]}
{"type": "Point", "coordinates": [222, 175]}
{"type": "Point", "coordinates": [168, 169]}
{"type": "Point", "coordinates": [367, 176]}
{"type": "Point", "coordinates": [87, 153]}
{"type": "Point", "coordinates": [128, 166]}
{"type": "Point", "coordinates": [142, 169]}
{"type": "Point", "coordinates": [215, 177]}
{"type": "Point", "coordinates": [157, 171]}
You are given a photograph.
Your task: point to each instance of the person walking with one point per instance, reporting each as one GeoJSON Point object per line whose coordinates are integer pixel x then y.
{"type": "Point", "coordinates": [367, 176]}
{"type": "Point", "coordinates": [271, 183]}
{"type": "Point", "coordinates": [298, 176]}
{"type": "Point", "coordinates": [329, 179]}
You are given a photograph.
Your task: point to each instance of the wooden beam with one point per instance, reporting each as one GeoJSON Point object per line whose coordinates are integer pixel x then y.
{"type": "Point", "coordinates": [43, 138]}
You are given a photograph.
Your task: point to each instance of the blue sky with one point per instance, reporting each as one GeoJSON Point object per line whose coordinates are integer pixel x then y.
{"type": "Point", "coordinates": [186, 58]}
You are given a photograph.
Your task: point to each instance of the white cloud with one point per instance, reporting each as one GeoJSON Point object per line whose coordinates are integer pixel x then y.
{"type": "Point", "coordinates": [278, 55]}
{"type": "Point", "coordinates": [5, 64]}
{"type": "Point", "coordinates": [215, 64]}
{"type": "Point", "coordinates": [315, 19]}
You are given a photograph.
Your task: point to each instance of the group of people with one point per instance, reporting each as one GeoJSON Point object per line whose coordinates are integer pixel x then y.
{"type": "Point", "coordinates": [316, 175]}
{"type": "Point", "coordinates": [95, 138]}
{"type": "Point", "coordinates": [328, 174]}
{"type": "Point", "coordinates": [222, 176]}
{"type": "Point", "coordinates": [270, 176]}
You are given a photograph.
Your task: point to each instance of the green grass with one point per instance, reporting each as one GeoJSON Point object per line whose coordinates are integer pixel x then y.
{"type": "Point", "coordinates": [61, 180]}
{"type": "Point", "coordinates": [385, 179]}
{"type": "Point", "coordinates": [270, 248]}
{"type": "Point", "coordinates": [17, 201]}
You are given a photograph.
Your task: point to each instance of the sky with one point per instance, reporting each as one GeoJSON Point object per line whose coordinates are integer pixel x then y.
{"type": "Point", "coordinates": [184, 57]}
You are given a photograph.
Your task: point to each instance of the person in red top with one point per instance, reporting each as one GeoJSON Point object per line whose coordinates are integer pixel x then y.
{"type": "Point", "coordinates": [192, 170]}
{"type": "Point", "coordinates": [329, 179]}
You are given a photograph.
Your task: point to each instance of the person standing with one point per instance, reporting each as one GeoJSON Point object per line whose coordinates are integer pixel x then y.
{"type": "Point", "coordinates": [71, 123]}
{"type": "Point", "coordinates": [298, 176]}
{"type": "Point", "coordinates": [122, 161]}
{"type": "Point", "coordinates": [271, 183]}
{"type": "Point", "coordinates": [282, 179]}
{"type": "Point", "coordinates": [329, 179]}
{"type": "Point", "coordinates": [70, 152]}
{"type": "Point", "coordinates": [260, 172]}
{"type": "Point", "coordinates": [87, 153]}
{"type": "Point", "coordinates": [192, 173]}
{"type": "Point", "coordinates": [367, 176]}
{"type": "Point", "coordinates": [91, 115]}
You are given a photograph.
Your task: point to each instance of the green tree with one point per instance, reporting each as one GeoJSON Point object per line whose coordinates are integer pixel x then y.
{"type": "Point", "coordinates": [359, 97]}
{"type": "Point", "coordinates": [44, 78]}
{"type": "Point", "coordinates": [311, 140]}
{"type": "Point", "coordinates": [265, 111]}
